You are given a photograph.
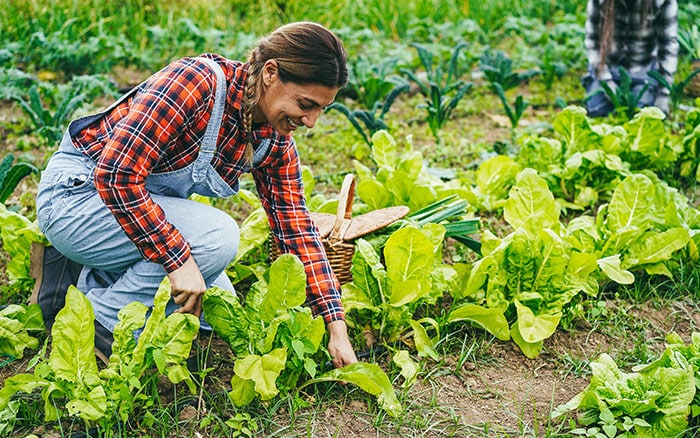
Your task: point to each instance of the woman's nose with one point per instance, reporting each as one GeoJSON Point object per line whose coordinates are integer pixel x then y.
{"type": "Point", "coordinates": [309, 119]}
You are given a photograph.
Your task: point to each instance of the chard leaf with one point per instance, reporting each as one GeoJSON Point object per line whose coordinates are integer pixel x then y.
{"type": "Point", "coordinates": [131, 317]}
{"type": "Point", "coordinates": [355, 298]}
{"type": "Point", "coordinates": [582, 234]}
{"type": "Point", "coordinates": [384, 149]}
{"type": "Point", "coordinates": [405, 292]}
{"type": "Point", "coordinates": [572, 125]}
{"type": "Point", "coordinates": [363, 172]}
{"type": "Point", "coordinates": [242, 392]}
{"type": "Point", "coordinates": [224, 312]}
{"type": "Point", "coordinates": [611, 267]}
{"type": "Point", "coordinates": [531, 205]}
{"type": "Point", "coordinates": [154, 321]}
{"type": "Point", "coordinates": [175, 335]}
{"type": "Point", "coordinates": [436, 235]}
{"type": "Point", "coordinates": [409, 256]}
{"type": "Point", "coordinates": [658, 269]}
{"type": "Point", "coordinates": [411, 164]}
{"type": "Point", "coordinates": [17, 234]}
{"type": "Point", "coordinates": [271, 332]}
{"type": "Point", "coordinates": [632, 204]}
{"type": "Point", "coordinates": [92, 408]}
{"type": "Point", "coordinates": [655, 247]}
{"type": "Point", "coordinates": [646, 132]}
{"type": "Point", "coordinates": [374, 194]}
{"type": "Point", "coordinates": [424, 345]}
{"type": "Point", "coordinates": [492, 320]}
{"type": "Point", "coordinates": [530, 349]}
{"type": "Point", "coordinates": [368, 272]}
{"type": "Point", "coordinates": [370, 378]}
{"type": "Point", "coordinates": [287, 287]}
{"type": "Point", "coordinates": [311, 330]}
{"type": "Point", "coordinates": [535, 328]}
{"type": "Point", "coordinates": [14, 323]}
{"type": "Point", "coordinates": [406, 191]}
{"type": "Point", "coordinates": [26, 383]}
{"type": "Point", "coordinates": [263, 371]}
{"type": "Point", "coordinates": [72, 355]}
{"type": "Point", "coordinates": [28, 315]}
{"type": "Point", "coordinates": [255, 230]}
{"type": "Point", "coordinates": [495, 177]}
{"type": "Point", "coordinates": [409, 368]}
{"type": "Point", "coordinates": [481, 270]}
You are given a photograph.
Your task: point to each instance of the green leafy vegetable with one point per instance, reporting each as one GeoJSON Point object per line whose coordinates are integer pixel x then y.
{"type": "Point", "coordinates": [658, 395]}
{"type": "Point", "coordinates": [371, 379]}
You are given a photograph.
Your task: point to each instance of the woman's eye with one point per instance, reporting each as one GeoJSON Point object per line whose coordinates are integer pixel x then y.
{"type": "Point", "coordinates": [304, 106]}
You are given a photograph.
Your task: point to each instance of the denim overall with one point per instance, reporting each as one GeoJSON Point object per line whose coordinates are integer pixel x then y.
{"type": "Point", "coordinates": [599, 105]}
{"type": "Point", "coordinates": [76, 221]}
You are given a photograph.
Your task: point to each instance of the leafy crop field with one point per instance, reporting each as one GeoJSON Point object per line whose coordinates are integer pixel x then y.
{"type": "Point", "coordinates": [544, 283]}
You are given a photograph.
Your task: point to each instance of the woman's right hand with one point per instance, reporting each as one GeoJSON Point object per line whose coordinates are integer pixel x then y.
{"type": "Point", "coordinates": [187, 287]}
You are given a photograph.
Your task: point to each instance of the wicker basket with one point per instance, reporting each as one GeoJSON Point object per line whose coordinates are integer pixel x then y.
{"type": "Point", "coordinates": [693, 87]}
{"type": "Point", "coordinates": [340, 230]}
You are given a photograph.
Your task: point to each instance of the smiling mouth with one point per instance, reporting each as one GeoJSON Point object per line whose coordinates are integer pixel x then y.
{"type": "Point", "coordinates": [292, 123]}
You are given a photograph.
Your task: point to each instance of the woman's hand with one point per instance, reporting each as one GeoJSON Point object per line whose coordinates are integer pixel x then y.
{"type": "Point", "coordinates": [187, 287]}
{"type": "Point", "coordinates": [339, 345]}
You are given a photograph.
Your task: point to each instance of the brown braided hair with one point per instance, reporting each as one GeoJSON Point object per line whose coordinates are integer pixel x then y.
{"type": "Point", "coordinates": [306, 53]}
{"type": "Point", "coordinates": [607, 27]}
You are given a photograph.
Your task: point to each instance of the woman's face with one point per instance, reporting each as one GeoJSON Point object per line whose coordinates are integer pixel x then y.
{"type": "Point", "coordinates": [286, 105]}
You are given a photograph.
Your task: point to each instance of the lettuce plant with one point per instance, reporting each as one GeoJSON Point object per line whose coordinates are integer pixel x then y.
{"type": "Point", "coordinates": [644, 224]}
{"type": "Point", "coordinates": [525, 280]}
{"type": "Point", "coordinates": [521, 286]}
{"type": "Point", "coordinates": [494, 178]}
{"type": "Point", "coordinates": [690, 156]}
{"type": "Point", "coordinates": [17, 233]}
{"type": "Point", "coordinates": [400, 178]}
{"type": "Point", "coordinates": [584, 162]}
{"type": "Point", "coordinates": [384, 296]}
{"type": "Point", "coordinates": [275, 340]}
{"type": "Point", "coordinates": [680, 355]}
{"type": "Point", "coordinates": [18, 322]}
{"type": "Point", "coordinates": [71, 383]}
{"type": "Point", "coordinates": [654, 402]}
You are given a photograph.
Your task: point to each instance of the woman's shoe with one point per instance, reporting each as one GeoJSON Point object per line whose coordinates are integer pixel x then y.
{"type": "Point", "coordinates": [53, 273]}
{"type": "Point", "coordinates": [103, 343]}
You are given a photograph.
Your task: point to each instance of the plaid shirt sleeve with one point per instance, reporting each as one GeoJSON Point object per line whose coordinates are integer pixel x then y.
{"type": "Point", "coordinates": [172, 101]}
{"type": "Point", "coordinates": [282, 195]}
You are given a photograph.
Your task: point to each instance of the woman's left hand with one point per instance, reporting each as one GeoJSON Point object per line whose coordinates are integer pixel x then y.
{"type": "Point", "coordinates": [339, 344]}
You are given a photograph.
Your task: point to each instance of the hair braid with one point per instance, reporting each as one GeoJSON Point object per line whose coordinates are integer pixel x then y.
{"type": "Point", "coordinates": [607, 33]}
{"type": "Point", "coordinates": [251, 96]}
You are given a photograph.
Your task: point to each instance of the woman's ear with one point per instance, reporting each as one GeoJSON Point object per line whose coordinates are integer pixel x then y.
{"type": "Point", "coordinates": [269, 72]}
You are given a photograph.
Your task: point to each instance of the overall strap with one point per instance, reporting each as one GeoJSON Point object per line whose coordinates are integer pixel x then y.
{"type": "Point", "coordinates": [208, 144]}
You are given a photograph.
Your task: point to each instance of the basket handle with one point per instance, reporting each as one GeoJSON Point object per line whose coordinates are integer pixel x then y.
{"type": "Point", "coordinates": [347, 193]}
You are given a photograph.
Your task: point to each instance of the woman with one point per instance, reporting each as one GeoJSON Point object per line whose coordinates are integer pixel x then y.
{"type": "Point", "coordinates": [637, 35]}
{"type": "Point", "coordinates": [113, 198]}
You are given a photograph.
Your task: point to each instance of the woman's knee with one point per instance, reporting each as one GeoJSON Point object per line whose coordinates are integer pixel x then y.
{"type": "Point", "coordinates": [218, 245]}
